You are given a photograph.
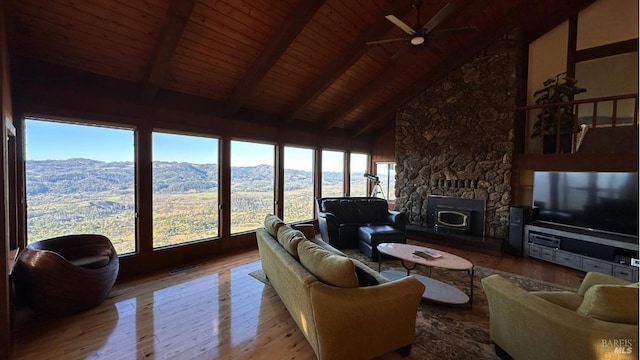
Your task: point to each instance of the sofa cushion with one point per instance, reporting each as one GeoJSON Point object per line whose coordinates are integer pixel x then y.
{"type": "Point", "coordinates": [594, 278]}
{"type": "Point", "coordinates": [272, 223]}
{"type": "Point", "coordinates": [344, 209]}
{"type": "Point", "coordinates": [372, 211]}
{"type": "Point", "coordinates": [331, 206]}
{"type": "Point", "coordinates": [328, 267]}
{"type": "Point", "coordinates": [614, 303]}
{"type": "Point", "coordinates": [326, 246]}
{"type": "Point", "coordinates": [289, 239]}
{"type": "Point", "coordinates": [567, 299]}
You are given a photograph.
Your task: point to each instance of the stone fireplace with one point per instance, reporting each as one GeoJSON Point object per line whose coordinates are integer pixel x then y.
{"type": "Point", "coordinates": [455, 140]}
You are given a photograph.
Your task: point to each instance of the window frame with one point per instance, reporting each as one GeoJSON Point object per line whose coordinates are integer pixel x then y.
{"type": "Point", "coordinates": [218, 207]}
{"type": "Point", "coordinates": [276, 172]}
{"type": "Point", "coordinates": [24, 239]}
{"type": "Point", "coordinates": [313, 180]}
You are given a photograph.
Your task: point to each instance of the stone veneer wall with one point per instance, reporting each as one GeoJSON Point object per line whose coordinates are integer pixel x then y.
{"type": "Point", "coordinates": [456, 138]}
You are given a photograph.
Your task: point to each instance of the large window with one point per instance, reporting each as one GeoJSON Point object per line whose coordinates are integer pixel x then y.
{"type": "Point", "coordinates": [332, 173]}
{"type": "Point", "coordinates": [80, 179]}
{"type": "Point", "coordinates": [185, 188]}
{"type": "Point", "coordinates": [298, 184]}
{"type": "Point", "coordinates": [386, 172]}
{"type": "Point", "coordinates": [252, 184]}
{"type": "Point", "coordinates": [358, 168]}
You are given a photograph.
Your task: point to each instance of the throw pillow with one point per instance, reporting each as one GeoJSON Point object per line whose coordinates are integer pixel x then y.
{"type": "Point", "coordinates": [289, 239]}
{"type": "Point", "coordinates": [614, 303]}
{"type": "Point", "coordinates": [329, 268]}
{"type": "Point", "coordinates": [364, 277]}
{"type": "Point", "coordinates": [326, 246]}
{"type": "Point", "coordinates": [272, 223]}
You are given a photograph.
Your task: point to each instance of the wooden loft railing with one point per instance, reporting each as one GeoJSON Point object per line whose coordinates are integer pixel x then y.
{"type": "Point", "coordinates": [613, 133]}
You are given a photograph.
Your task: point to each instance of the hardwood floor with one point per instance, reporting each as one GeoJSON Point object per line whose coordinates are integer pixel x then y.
{"type": "Point", "coordinates": [212, 310]}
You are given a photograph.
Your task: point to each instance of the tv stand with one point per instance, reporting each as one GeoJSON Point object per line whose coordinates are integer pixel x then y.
{"type": "Point", "coordinates": [583, 249]}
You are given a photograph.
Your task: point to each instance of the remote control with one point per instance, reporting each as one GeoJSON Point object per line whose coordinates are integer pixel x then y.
{"type": "Point", "coordinates": [429, 255]}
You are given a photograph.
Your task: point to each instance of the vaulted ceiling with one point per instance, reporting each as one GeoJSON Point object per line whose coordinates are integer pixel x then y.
{"type": "Point", "coordinates": [305, 62]}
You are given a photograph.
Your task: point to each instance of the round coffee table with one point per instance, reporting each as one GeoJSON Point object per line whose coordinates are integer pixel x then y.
{"type": "Point", "coordinates": [435, 290]}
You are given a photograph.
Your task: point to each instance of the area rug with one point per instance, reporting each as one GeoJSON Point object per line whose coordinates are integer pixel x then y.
{"type": "Point", "coordinates": [452, 331]}
{"type": "Point", "coordinates": [260, 276]}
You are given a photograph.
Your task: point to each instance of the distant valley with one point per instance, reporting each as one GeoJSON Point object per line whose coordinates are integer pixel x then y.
{"type": "Point", "coordinates": [88, 196]}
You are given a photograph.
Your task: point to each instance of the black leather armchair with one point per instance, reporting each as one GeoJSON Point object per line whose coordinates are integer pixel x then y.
{"type": "Point", "coordinates": [339, 218]}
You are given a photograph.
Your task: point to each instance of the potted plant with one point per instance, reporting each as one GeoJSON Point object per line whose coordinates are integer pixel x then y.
{"type": "Point", "coordinates": [554, 118]}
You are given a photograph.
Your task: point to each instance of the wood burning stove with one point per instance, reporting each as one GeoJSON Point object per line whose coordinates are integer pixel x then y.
{"type": "Point", "coordinates": [452, 219]}
{"type": "Point", "coordinates": [456, 215]}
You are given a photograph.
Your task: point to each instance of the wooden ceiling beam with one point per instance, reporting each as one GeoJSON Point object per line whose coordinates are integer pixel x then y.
{"type": "Point", "coordinates": [520, 16]}
{"type": "Point", "coordinates": [373, 86]}
{"type": "Point", "coordinates": [617, 48]}
{"type": "Point", "coordinates": [546, 18]}
{"type": "Point", "coordinates": [347, 59]}
{"type": "Point", "coordinates": [178, 14]}
{"type": "Point", "coordinates": [293, 25]}
{"type": "Point", "coordinates": [388, 75]}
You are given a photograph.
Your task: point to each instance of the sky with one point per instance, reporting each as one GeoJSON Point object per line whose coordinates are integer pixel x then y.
{"type": "Point", "coordinates": [56, 141]}
{"type": "Point", "coordinates": [47, 140]}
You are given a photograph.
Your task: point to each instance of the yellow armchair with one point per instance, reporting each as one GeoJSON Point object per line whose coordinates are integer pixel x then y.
{"type": "Point", "coordinates": [599, 321]}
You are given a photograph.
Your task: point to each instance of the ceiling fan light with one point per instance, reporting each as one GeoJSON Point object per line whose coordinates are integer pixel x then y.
{"type": "Point", "coordinates": [418, 40]}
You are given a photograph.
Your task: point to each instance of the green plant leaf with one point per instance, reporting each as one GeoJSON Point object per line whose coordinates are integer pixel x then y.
{"type": "Point", "coordinates": [556, 118]}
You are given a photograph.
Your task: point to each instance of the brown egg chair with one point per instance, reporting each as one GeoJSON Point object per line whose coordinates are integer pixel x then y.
{"type": "Point", "coordinates": [66, 274]}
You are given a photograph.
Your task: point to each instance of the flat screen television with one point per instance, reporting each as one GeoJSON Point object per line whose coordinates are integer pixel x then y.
{"type": "Point", "coordinates": [598, 201]}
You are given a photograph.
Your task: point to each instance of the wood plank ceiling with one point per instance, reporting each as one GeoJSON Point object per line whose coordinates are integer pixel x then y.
{"type": "Point", "coordinates": [304, 61]}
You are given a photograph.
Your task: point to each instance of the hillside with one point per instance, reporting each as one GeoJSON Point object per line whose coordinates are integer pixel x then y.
{"type": "Point", "coordinates": [88, 196]}
{"type": "Point", "coordinates": [70, 176]}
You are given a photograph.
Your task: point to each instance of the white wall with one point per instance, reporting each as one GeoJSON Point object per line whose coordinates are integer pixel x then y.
{"type": "Point", "coordinates": [606, 22]}
{"type": "Point", "coordinates": [547, 57]}
{"type": "Point", "coordinates": [603, 22]}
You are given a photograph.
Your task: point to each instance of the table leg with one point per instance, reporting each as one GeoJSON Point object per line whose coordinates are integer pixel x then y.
{"type": "Point", "coordinates": [407, 267]}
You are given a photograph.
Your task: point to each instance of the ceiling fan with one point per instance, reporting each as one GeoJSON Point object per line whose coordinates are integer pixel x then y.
{"type": "Point", "coordinates": [420, 35]}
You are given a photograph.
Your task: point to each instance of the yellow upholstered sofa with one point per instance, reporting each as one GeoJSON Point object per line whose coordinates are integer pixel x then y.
{"type": "Point", "coordinates": [599, 321]}
{"type": "Point", "coordinates": [344, 309]}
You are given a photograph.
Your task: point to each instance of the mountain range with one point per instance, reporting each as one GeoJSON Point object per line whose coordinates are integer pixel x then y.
{"type": "Point", "coordinates": [84, 175]}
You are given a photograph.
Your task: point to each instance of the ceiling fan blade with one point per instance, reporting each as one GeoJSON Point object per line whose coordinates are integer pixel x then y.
{"type": "Point", "coordinates": [456, 30]}
{"type": "Point", "coordinates": [438, 18]}
{"type": "Point", "coordinates": [436, 48]}
{"type": "Point", "coordinates": [385, 41]}
{"type": "Point", "coordinates": [399, 23]}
